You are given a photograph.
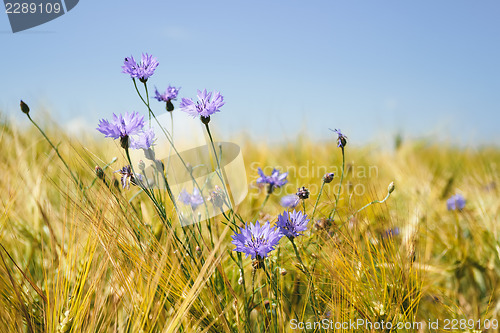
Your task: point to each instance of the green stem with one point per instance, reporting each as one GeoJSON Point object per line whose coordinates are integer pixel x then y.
{"type": "Point", "coordinates": [219, 170]}
{"type": "Point", "coordinates": [57, 152]}
{"type": "Point", "coordinates": [332, 213]}
{"type": "Point", "coordinates": [371, 203]}
{"type": "Point", "coordinates": [147, 99]}
{"type": "Point", "coordinates": [317, 200]}
{"type": "Point", "coordinates": [262, 206]}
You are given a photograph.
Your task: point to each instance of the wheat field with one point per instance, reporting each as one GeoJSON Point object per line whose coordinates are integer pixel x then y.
{"type": "Point", "coordinates": [79, 253]}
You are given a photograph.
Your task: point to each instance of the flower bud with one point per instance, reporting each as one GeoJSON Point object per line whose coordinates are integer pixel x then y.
{"type": "Point", "coordinates": [391, 188]}
{"type": "Point", "coordinates": [99, 172]}
{"type": "Point", "coordinates": [328, 177]}
{"type": "Point", "coordinates": [24, 107]}
{"type": "Point", "coordinates": [303, 193]}
{"type": "Point", "coordinates": [142, 165]}
{"type": "Point", "coordinates": [150, 154]}
{"type": "Point", "coordinates": [217, 197]}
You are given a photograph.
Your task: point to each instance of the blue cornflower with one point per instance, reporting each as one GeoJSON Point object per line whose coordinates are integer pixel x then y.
{"type": "Point", "coordinates": [389, 233]}
{"type": "Point", "coordinates": [341, 140]}
{"type": "Point", "coordinates": [205, 106]}
{"type": "Point", "coordinates": [290, 201]}
{"type": "Point", "coordinates": [275, 180]}
{"type": "Point", "coordinates": [256, 240]}
{"type": "Point", "coordinates": [194, 200]}
{"type": "Point", "coordinates": [129, 177]}
{"type": "Point", "coordinates": [456, 201]}
{"type": "Point", "coordinates": [122, 126]}
{"type": "Point", "coordinates": [168, 96]}
{"type": "Point", "coordinates": [141, 71]}
{"type": "Point", "coordinates": [292, 224]}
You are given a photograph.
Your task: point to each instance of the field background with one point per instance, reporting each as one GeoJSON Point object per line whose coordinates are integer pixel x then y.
{"type": "Point", "coordinates": [101, 260]}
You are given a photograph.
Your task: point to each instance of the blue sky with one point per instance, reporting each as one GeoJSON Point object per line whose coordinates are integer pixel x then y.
{"type": "Point", "coordinates": [372, 68]}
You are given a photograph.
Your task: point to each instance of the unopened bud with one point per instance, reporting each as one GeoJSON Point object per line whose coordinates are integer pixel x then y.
{"type": "Point", "coordinates": [24, 107]}
{"type": "Point", "coordinates": [217, 197]}
{"type": "Point", "coordinates": [328, 177]}
{"type": "Point", "coordinates": [142, 165]}
{"type": "Point", "coordinates": [390, 188]}
{"type": "Point", "coordinates": [99, 172]}
{"type": "Point", "coordinates": [302, 193]}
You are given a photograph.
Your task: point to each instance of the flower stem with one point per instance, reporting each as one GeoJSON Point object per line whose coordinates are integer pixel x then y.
{"type": "Point", "coordinates": [262, 206]}
{"type": "Point", "coordinates": [317, 200]}
{"type": "Point", "coordinates": [147, 99]}
{"type": "Point", "coordinates": [371, 203]}
{"type": "Point", "coordinates": [332, 213]}
{"type": "Point", "coordinates": [57, 152]}
{"type": "Point", "coordinates": [219, 170]}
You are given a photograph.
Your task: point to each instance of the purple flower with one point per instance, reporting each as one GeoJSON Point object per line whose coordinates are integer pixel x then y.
{"type": "Point", "coordinates": [256, 240]}
{"type": "Point", "coordinates": [168, 95]}
{"type": "Point", "coordinates": [144, 140]}
{"type": "Point", "coordinates": [456, 201]}
{"type": "Point", "coordinates": [341, 140]}
{"type": "Point", "coordinates": [389, 233]}
{"type": "Point", "coordinates": [194, 200]}
{"type": "Point", "coordinates": [205, 106]}
{"type": "Point", "coordinates": [275, 180]}
{"type": "Point", "coordinates": [128, 177]}
{"type": "Point", "coordinates": [292, 224]}
{"type": "Point", "coordinates": [141, 71]}
{"type": "Point", "coordinates": [129, 128]}
{"type": "Point", "coordinates": [122, 126]}
{"type": "Point", "coordinates": [290, 201]}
